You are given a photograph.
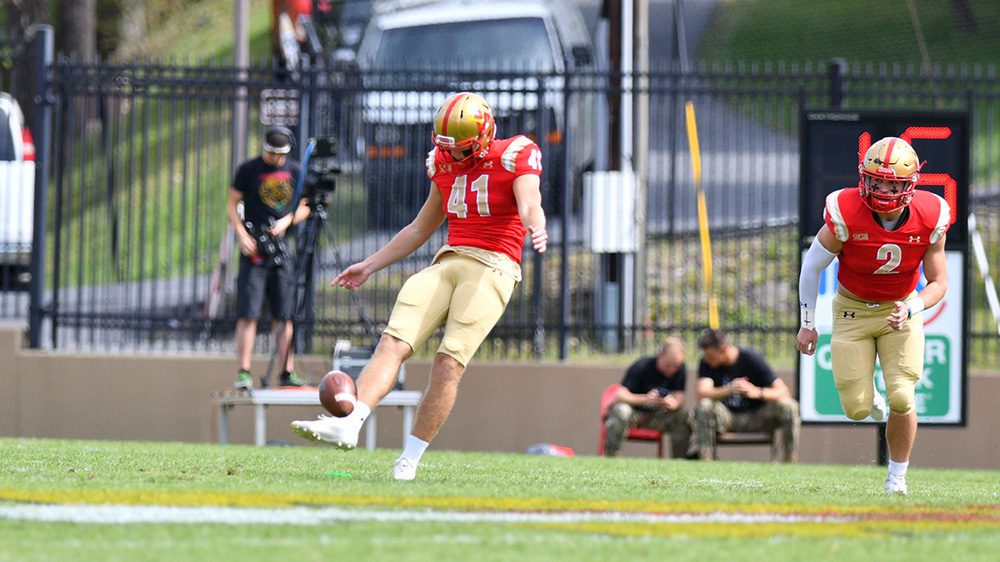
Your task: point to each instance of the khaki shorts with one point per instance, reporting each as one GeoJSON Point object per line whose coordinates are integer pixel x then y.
{"type": "Point", "coordinates": [860, 332]}
{"type": "Point", "coordinates": [465, 294]}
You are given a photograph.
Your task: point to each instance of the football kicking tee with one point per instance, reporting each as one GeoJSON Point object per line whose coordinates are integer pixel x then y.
{"type": "Point", "coordinates": [488, 191]}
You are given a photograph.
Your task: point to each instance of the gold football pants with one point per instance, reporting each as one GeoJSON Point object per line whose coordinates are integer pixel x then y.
{"type": "Point", "coordinates": [468, 296]}
{"type": "Point", "coordinates": [860, 333]}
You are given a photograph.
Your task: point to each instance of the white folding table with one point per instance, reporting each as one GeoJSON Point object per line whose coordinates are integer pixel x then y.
{"type": "Point", "coordinates": [305, 396]}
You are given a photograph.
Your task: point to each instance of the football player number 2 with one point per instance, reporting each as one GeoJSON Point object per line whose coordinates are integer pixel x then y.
{"type": "Point", "coordinates": [891, 254]}
{"type": "Point", "coordinates": [456, 202]}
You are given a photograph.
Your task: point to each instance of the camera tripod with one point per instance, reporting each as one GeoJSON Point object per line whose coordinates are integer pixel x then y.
{"type": "Point", "coordinates": [304, 283]}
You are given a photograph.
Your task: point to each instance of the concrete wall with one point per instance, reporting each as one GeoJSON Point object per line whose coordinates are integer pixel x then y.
{"type": "Point", "coordinates": [501, 407]}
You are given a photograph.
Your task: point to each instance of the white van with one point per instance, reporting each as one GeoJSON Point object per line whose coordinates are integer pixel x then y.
{"type": "Point", "coordinates": [415, 53]}
{"type": "Point", "coordinates": [17, 192]}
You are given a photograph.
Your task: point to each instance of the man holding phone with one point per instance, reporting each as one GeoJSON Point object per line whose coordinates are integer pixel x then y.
{"type": "Point", "coordinates": [739, 392]}
{"type": "Point", "coordinates": [651, 396]}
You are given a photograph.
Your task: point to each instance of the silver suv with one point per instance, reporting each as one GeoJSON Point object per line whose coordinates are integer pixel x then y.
{"type": "Point", "coordinates": [516, 53]}
{"type": "Point", "coordinates": [17, 192]}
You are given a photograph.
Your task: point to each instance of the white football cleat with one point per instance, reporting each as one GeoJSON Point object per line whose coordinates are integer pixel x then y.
{"type": "Point", "coordinates": [404, 469]}
{"type": "Point", "coordinates": [339, 432]}
{"type": "Point", "coordinates": [895, 485]}
{"type": "Point", "coordinates": [879, 409]}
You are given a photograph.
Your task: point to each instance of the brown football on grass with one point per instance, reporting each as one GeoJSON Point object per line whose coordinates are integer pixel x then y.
{"type": "Point", "coordinates": [337, 393]}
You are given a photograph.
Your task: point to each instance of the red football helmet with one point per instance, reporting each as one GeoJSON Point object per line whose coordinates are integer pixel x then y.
{"type": "Point", "coordinates": [464, 122]}
{"type": "Point", "coordinates": [890, 159]}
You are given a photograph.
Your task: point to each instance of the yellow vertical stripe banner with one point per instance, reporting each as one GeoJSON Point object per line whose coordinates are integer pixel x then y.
{"type": "Point", "coordinates": [706, 242]}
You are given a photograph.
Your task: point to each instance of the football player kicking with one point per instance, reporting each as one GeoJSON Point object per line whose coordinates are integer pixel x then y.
{"type": "Point", "coordinates": [881, 232]}
{"type": "Point", "coordinates": [488, 189]}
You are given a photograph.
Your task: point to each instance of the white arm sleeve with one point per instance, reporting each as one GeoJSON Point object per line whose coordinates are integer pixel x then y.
{"type": "Point", "coordinates": [817, 259]}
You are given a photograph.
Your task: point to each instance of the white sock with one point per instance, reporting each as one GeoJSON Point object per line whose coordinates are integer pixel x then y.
{"type": "Point", "coordinates": [898, 468]}
{"type": "Point", "coordinates": [361, 412]}
{"type": "Point", "coordinates": [414, 448]}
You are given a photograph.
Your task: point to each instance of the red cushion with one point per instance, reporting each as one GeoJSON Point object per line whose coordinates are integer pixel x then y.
{"type": "Point", "coordinates": [644, 434]}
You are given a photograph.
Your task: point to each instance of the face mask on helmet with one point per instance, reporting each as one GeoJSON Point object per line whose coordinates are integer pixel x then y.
{"type": "Point", "coordinates": [891, 159]}
{"type": "Point", "coordinates": [464, 123]}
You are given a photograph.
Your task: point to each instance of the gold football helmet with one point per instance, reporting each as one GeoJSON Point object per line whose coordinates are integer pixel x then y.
{"type": "Point", "coordinates": [890, 159]}
{"type": "Point", "coordinates": [464, 122]}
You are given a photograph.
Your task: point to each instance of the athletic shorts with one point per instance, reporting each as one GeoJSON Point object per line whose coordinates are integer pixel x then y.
{"type": "Point", "coordinates": [860, 333]}
{"type": "Point", "coordinates": [468, 296]}
{"type": "Point", "coordinates": [254, 281]}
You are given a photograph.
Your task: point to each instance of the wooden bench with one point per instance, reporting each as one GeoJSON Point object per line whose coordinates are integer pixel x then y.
{"type": "Point", "coordinates": [756, 438]}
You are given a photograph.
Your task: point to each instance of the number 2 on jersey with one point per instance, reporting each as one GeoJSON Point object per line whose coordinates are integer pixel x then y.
{"type": "Point", "coordinates": [456, 202]}
{"type": "Point", "coordinates": [892, 254]}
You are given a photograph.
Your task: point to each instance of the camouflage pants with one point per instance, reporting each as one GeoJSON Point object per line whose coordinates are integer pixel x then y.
{"type": "Point", "coordinates": [780, 419]}
{"type": "Point", "coordinates": [622, 417]}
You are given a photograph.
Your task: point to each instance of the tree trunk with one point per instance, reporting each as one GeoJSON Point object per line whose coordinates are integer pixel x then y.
{"type": "Point", "coordinates": [77, 32]}
{"type": "Point", "coordinates": [962, 14]}
{"type": "Point", "coordinates": [76, 37]}
{"type": "Point", "coordinates": [133, 26]}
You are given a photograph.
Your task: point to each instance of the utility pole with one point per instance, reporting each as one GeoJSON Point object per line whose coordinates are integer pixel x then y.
{"type": "Point", "coordinates": [620, 291]}
{"type": "Point", "coordinates": [241, 60]}
{"type": "Point", "coordinates": [640, 53]}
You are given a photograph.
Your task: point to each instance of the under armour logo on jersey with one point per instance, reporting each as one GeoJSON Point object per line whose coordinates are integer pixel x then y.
{"type": "Point", "coordinates": [914, 239]}
{"type": "Point", "coordinates": [848, 314]}
{"type": "Point", "coordinates": [860, 236]}
{"type": "Point", "coordinates": [489, 164]}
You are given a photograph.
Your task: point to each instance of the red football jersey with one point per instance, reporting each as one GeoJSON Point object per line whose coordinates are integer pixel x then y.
{"type": "Point", "coordinates": [878, 264]}
{"type": "Point", "coordinates": [479, 199]}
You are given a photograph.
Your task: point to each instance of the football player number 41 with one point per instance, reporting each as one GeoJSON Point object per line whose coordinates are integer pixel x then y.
{"type": "Point", "coordinates": [480, 185]}
{"type": "Point", "coordinates": [457, 204]}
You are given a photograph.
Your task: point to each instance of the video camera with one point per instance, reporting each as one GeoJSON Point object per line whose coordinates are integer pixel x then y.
{"type": "Point", "coordinates": [321, 170]}
{"type": "Point", "coordinates": [271, 250]}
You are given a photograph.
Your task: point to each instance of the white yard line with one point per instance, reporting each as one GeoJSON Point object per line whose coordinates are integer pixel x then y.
{"type": "Point", "coordinates": [133, 514]}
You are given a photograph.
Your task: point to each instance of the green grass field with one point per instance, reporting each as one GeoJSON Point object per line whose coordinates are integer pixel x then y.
{"type": "Point", "coordinates": [95, 500]}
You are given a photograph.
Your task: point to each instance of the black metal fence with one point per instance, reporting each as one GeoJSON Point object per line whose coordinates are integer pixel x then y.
{"type": "Point", "coordinates": [141, 165]}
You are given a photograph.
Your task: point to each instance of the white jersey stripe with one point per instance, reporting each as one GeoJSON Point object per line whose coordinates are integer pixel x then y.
{"type": "Point", "coordinates": [509, 156]}
{"type": "Point", "coordinates": [944, 218]}
{"type": "Point", "coordinates": [840, 229]}
{"type": "Point", "coordinates": [429, 163]}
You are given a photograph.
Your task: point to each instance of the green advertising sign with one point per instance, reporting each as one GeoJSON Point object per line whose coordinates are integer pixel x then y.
{"type": "Point", "coordinates": [932, 393]}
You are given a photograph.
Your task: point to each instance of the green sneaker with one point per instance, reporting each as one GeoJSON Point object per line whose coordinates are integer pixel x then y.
{"type": "Point", "coordinates": [244, 380]}
{"type": "Point", "coordinates": [291, 379]}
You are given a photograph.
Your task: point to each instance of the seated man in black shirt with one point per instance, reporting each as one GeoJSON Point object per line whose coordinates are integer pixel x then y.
{"type": "Point", "coordinates": [651, 396]}
{"type": "Point", "coordinates": [738, 392]}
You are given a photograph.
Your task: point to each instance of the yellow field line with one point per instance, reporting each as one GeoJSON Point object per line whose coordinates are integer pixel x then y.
{"type": "Point", "coordinates": [260, 499]}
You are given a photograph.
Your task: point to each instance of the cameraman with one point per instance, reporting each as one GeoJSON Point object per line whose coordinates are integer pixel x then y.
{"type": "Point", "coordinates": [266, 186]}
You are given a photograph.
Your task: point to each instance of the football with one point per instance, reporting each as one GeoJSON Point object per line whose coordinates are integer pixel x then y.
{"type": "Point", "coordinates": [337, 393]}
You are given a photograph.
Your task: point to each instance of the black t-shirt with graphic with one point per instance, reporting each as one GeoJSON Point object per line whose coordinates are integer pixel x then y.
{"type": "Point", "coordinates": [643, 376]}
{"type": "Point", "coordinates": [267, 190]}
{"type": "Point", "coordinates": [748, 364]}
